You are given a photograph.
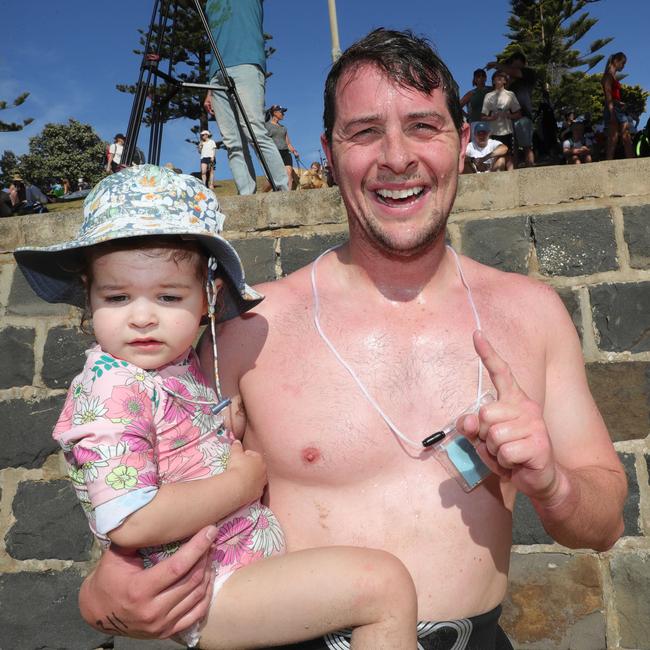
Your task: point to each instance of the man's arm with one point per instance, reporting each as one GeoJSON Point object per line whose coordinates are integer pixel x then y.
{"type": "Point", "coordinates": [512, 71]}
{"type": "Point", "coordinates": [560, 455]}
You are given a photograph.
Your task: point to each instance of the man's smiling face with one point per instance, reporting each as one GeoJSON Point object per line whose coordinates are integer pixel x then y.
{"type": "Point", "coordinates": [396, 155]}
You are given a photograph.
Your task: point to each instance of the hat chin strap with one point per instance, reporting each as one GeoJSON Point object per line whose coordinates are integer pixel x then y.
{"type": "Point", "coordinates": [211, 293]}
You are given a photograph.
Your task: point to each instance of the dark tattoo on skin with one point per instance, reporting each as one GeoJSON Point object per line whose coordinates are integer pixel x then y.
{"type": "Point", "coordinates": [114, 624]}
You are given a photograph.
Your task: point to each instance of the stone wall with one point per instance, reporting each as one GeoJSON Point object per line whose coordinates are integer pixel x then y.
{"type": "Point", "coordinates": [584, 230]}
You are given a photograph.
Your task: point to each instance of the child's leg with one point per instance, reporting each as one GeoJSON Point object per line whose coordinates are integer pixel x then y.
{"type": "Point", "coordinates": [303, 595]}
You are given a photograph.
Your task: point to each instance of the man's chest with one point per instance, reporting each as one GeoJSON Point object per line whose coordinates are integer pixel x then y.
{"type": "Point", "coordinates": [318, 411]}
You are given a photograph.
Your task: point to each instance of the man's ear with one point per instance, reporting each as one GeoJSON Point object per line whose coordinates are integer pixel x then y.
{"type": "Point", "coordinates": [328, 154]}
{"type": "Point", "coordinates": [464, 141]}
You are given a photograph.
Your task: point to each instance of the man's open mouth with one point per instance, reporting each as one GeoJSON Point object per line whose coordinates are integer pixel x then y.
{"type": "Point", "coordinates": [399, 197]}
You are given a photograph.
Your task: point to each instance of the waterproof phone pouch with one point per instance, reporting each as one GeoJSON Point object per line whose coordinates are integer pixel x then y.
{"type": "Point", "coordinates": [457, 454]}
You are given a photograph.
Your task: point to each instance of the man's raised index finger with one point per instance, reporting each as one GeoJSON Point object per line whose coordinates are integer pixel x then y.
{"type": "Point", "coordinates": [497, 368]}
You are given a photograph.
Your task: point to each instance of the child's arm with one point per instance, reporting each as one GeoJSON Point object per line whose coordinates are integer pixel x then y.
{"type": "Point", "coordinates": [181, 509]}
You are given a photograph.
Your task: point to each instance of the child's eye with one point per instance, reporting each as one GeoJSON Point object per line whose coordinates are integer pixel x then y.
{"type": "Point", "coordinates": [170, 298]}
{"type": "Point", "coordinates": [120, 298]}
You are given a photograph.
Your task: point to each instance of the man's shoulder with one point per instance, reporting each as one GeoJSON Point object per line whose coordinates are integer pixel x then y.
{"type": "Point", "coordinates": [285, 292]}
{"type": "Point", "coordinates": [510, 290]}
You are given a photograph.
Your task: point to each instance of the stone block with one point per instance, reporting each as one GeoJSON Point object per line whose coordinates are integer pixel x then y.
{"type": "Point", "coordinates": [41, 230]}
{"type": "Point", "coordinates": [39, 612]}
{"type": "Point", "coordinates": [622, 393]}
{"type": "Point", "coordinates": [63, 356]}
{"type": "Point", "coordinates": [26, 431]}
{"type": "Point", "coordinates": [242, 212]}
{"type": "Point", "coordinates": [625, 177]}
{"type": "Point", "coordinates": [502, 243]}
{"type": "Point", "coordinates": [631, 582]}
{"type": "Point", "coordinates": [555, 184]}
{"type": "Point", "coordinates": [632, 506]}
{"type": "Point", "coordinates": [50, 523]}
{"type": "Point", "coordinates": [526, 526]}
{"type": "Point", "coordinates": [555, 601]}
{"type": "Point", "coordinates": [575, 243]}
{"type": "Point", "coordinates": [485, 192]}
{"type": "Point", "coordinates": [621, 314]}
{"type": "Point", "coordinates": [291, 209]}
{"type": "Point", "coordinates": [299, 251]}
{"type": "Point", "coordinates": [258, 258]}
{"type": "Point", "coordinates": [24, 302]}
{"type": "Point", "coordinates": [570, 299]}
{"type": "Point", "coordinates": [17, 354]}
{"type": "Point", "coordinates": [636, 220]}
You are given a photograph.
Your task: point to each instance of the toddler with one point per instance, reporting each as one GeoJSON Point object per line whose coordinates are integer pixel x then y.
{"type": "Point", "coordinates": [143, 431]}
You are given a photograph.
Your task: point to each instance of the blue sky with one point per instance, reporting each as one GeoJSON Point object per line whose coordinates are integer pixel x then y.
{"type": "Point", "coordinates": [70, 54]}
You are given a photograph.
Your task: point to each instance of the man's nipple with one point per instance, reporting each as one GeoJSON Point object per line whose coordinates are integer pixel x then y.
{"type": "Point", "coordinates": [310, 455]}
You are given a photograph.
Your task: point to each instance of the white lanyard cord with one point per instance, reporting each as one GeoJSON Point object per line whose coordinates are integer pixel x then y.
{"type": "Point", "coordinates": [393, 427]}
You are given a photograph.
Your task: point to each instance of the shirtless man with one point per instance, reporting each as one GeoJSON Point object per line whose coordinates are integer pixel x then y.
{"type": "Point", "coordinates": [393, 304]}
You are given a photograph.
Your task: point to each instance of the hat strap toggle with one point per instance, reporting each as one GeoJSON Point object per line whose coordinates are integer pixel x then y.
{"type": "Point", "coordinates": [211, 292]}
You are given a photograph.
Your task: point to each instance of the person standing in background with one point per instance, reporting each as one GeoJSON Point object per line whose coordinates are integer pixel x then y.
{"type": "Point", "coordinates": [476, 96]}
{"type": "Point", "coordinates": [614, 116]}
{"type": "Point", "coordinates": [522, 82]}
{"type": "Point", "coordinates": [236, 26]}
{"type": "Point", "coordinates": [207, 149]}
{"type": "Point", "coordinates": [280, 136]}
{"type": "Point", "coordinates": [500, 108]}
{"type": "Point", "coordinates": [114, 154]}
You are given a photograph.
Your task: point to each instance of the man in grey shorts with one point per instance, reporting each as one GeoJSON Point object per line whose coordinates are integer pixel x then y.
{"type": "Point", "coordinates": [401, 310]}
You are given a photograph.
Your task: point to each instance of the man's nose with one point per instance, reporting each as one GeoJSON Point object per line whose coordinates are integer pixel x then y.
{"type": "Point", "coordinates": [396, 153]}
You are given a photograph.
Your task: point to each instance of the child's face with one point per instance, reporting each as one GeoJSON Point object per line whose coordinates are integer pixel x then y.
{"type": "Point", "coordinates": [146, 307]}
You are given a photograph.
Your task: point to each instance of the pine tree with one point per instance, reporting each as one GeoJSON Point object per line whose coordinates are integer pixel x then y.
{"type": "Point", "coordinates": [187, 48]}
{"type": "Point", "coordinates": [547, 31]}
{"type": "Point", "coordinates": [13, 126]}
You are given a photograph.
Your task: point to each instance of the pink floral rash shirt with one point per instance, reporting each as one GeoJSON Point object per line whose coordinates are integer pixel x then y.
{"type": "Point", "coordinates": [124, 434]}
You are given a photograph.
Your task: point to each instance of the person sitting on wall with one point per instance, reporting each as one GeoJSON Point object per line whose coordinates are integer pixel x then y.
{"type": "Point", "coordinates": [575, 148]}
{"type": "Point", "coordinates": [483, 154]}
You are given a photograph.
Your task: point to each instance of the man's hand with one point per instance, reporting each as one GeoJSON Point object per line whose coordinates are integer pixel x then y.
{"type": "Point", "coordinates": [122, 598]}
{"type": "Point", "coordinates": [207, 104]}
{"type": "Point", "coordinates": [510, 433]}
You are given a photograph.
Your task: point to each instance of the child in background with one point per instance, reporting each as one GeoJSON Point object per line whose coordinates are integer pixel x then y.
{"type": "Point", "coordinates": [144, 435]}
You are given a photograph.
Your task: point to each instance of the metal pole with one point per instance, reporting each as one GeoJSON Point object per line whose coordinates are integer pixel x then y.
{"type": "Point", "coordinates": [334, 29]}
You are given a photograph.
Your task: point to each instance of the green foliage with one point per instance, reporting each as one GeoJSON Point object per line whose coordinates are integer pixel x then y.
{"type": "Point", "coordinates": [13, 126]}
{"type": "Point", "coordinates": [64, 151]}
{"type": "Point", "coordinates": [547, 32]}
{"type": "Point", "coordinates": [188, 49]}
{"type": "Point", "coordinates": [579, 92]}
{"type": "Point", "coordinates": [634, 98]}
{"type": "Point", "coordinates": [8, 167]}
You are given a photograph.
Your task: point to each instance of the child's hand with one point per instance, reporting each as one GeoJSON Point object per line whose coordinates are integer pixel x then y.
{"type": "Point", "coordinates": [252, 469]}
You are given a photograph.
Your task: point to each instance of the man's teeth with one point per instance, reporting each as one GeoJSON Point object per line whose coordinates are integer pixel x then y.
{"type": "Point", "coordinates": [399, 194]}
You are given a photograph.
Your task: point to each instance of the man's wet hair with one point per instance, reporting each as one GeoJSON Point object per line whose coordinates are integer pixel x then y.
{"type": "Point", "coordinates": [407, 59]}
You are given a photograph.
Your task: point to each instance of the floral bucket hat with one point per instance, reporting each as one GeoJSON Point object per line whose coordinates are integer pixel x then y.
{"type": "Point", "coordinates": [140, 201]}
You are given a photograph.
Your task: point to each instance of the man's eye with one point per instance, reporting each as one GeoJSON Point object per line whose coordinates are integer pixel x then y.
{"type": "Point", "coordinates": [365, 133]}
